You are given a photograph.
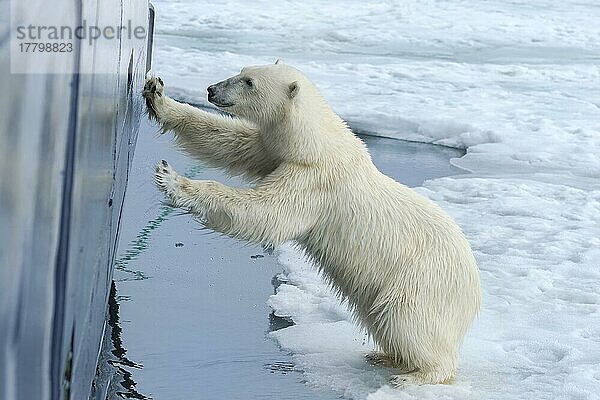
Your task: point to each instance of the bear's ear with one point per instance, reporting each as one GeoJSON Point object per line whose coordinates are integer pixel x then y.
{"type": "Point", "coordinates": [278, 61]}
{"type": "Point", "coordinates": [293, 89]}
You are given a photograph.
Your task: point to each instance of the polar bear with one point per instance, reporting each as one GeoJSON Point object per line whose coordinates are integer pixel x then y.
{"type": "Point", "coordinates": [402, 263]}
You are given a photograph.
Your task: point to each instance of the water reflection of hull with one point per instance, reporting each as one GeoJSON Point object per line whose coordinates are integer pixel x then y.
{"type": "Point", "coordinates": [120, 361]}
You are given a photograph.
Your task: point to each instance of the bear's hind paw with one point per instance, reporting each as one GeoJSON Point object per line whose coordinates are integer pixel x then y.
{"type": "Point", "coordinates": [403, 380]}
{"type": "Point", "coordinates": [380, 358]}
{"type": "Point", "coordinates": [421, 378]}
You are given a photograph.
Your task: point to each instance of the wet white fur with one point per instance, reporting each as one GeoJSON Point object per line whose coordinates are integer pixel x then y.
{"type": "Point", "coordinates": [404, 266]}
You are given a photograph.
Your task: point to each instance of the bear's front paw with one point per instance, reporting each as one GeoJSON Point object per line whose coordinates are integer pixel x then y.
{"type": "Point", "coordinates": [153, 93]}
{"type": "Point", "coordinates": [166, 180]}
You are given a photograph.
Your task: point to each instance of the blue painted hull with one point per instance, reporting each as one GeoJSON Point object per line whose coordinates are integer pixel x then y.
{"type": "Point", "coordinates": [66, 145]}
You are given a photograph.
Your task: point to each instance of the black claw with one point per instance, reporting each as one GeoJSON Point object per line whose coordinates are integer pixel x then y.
{"type": "Point", "coordinates": [164, 163]}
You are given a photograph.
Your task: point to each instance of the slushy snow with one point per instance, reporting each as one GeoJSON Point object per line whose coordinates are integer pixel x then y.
{"type": "Point", "coordinates": [518, 86]}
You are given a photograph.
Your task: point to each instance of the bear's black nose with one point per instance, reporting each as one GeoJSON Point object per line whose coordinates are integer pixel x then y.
{"type": "Point", "coordinates": [211, 91]}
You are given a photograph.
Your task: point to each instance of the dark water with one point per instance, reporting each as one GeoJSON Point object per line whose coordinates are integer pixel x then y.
{"type": "Point", "coordinates": [411, 163]}
{"type": "Point", "coordinates": [192, 319]}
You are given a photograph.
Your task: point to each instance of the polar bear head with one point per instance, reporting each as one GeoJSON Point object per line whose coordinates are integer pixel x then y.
{"type": "Point", "coordinates": [261, 94]}
{"type": "Point", "coordinates": [295, 121]}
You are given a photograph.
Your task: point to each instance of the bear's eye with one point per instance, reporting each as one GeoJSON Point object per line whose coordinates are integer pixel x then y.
{"type": "Point", "coordinates": [249, 82]}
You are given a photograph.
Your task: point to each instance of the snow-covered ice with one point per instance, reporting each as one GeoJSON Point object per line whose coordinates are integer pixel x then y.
{"type": "Point", "coordinates": [515, 83]}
